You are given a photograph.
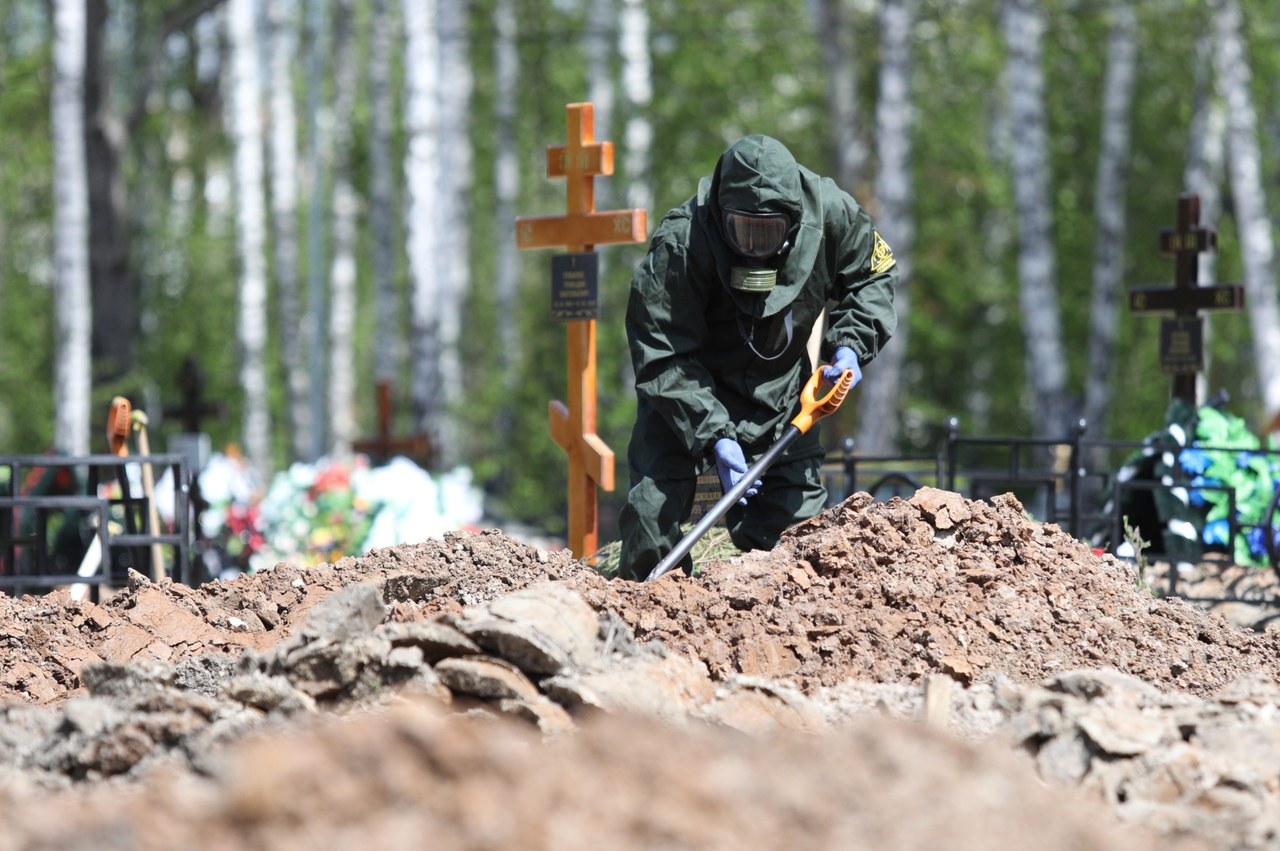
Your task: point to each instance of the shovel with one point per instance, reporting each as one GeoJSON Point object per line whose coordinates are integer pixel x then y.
{"type": "Point", "coordinates": [149, 491]}
{"type": "Point", "coordinates": [118, 426]}
{"type": "Point", "coordinates": [812, 409]}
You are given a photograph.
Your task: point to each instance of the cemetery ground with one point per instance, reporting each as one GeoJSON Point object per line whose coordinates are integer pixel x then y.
{"type": "Point", "coordinates": [932, 672]}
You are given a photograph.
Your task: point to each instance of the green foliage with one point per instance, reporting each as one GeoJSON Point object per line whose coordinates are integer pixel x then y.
{"type": "Point", "coordinates": [26, 215]}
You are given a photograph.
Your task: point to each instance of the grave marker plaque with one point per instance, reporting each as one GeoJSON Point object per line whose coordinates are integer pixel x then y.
{"type": "Point", "coordinates": [574, 287]}
{"type": "Point", "coordinates": [1182, 345]}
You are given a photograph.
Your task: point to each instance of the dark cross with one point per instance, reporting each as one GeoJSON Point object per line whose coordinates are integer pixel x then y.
{"type": "Point", "coordinates": [382, 447]}
{"type": "Point", "coordinates": [194, 407]}
{"type": "Point", "coordinates": [190, 413]}
{"type": "Point", "coordinates": [1182, 337]}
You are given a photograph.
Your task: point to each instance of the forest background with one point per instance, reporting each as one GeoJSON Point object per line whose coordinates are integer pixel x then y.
{"type": "Point", "coordinates": [310, 196]}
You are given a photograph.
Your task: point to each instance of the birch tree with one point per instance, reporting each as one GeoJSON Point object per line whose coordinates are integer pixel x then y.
{"type": "Point", "coordinates": [637, 96]}
{"type": "Point", "coordinates": [72, 310]}
{"type": "Point", "coordinates": [318, 182]}
{"type": "Point", "coordinates": [1203, 174]}
{"type": "Point", "coordinates": [1206, 146]}
{"type": "Point", "coordinates": [637, 132]}
{"type": "Point", "coordinates": [114, 294]}
{"type": "Point", "coordinates": [878, 416]}
{"type": "Point", "coordinates": [246, 126]}
{"type": "Point", "coordinates": [284, 220]}
{"type": "Point", "coordinates": [421, 117]}
{"type": "Point", "coordinates": [342, 275]}
{"type": "Point", "coordinates": [1022, 24]}
{"type": "Point", "coordinates": [506, 181]}
{"type": "Point", "coordinates": [598, 48]}
{"type": "Point", "coordinates": [1247, 190]}
{"type": "Point", "coordinates": [834, 36]}
{"type": "Point", "coordinates": [454, 186]}
{"type": "Point", "coordinates": [1109, 210]}
{"type": "Point", "coordinates": [388, 335]}
{"type": "Point", "coordinates": [116, 107]}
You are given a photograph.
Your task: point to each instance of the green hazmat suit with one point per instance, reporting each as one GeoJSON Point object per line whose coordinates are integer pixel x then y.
{"type": "Point", "coordinates": [712, 361]}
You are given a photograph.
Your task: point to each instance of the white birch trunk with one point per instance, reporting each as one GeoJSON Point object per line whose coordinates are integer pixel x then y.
{"type": "Point", "coordinates": [72, 306]}
{"type": "Point", "coordinates": [454, 222]}
{"type": "Point", "coordinates": [1244, 168]}
{"type": "Point", "coordinates": [597, 46]}
{"type": "Point", "coordinates": [506, 179]}
{"type": "Point", "coordinates": [878, 421]}
{"type": "Point", "coordinates": [246, 124]}
{"type": "Point", "coordinates": [211, 67]}
{"type": "Point", "coordinates": [318, 126]}
{"type": "Point", "coordinates": [1023, 26]}
{"type": "Point", "coordinates": [833, 32]}
{"type": "Point", "coordinates": [637, 132]}
{"type": "Point", "coordinates": [637, 93]}
{"type": "Point", "coordinates": [284, 209]}
{"type": "Point", "coordinates": [388, 337]}
{"type": "Point", "coordinates": [1109, 210]}
{"type": "Point", "coordinates": [1206, 149]}
{"type": "Point", "coordinates": [342, 273]}
{"type": "Point", "coordinates": [422, 215]}
{"type": "Point", "coordinates": [1203, 176]}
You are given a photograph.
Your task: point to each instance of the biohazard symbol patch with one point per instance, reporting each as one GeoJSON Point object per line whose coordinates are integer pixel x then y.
{"type": "Point", "coordinates": [881, 254]}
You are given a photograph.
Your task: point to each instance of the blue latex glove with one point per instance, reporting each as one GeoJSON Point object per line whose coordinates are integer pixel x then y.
{"type": "Point", "coordinates": [844, 358]}
{"type": "Point", "coordinates": [731, 465]}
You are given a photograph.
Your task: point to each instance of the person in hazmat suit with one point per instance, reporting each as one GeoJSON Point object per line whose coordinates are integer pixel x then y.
{"type": "Point", "coordinates": [718, 320]}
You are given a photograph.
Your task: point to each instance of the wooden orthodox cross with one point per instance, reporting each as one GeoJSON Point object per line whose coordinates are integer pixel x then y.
{"type": "Point", "coordinates": [382, 447]}
{"type": "Point", "coordinates": [1182, 337]}
{"type": "Point", "coordinates": [573, 426]}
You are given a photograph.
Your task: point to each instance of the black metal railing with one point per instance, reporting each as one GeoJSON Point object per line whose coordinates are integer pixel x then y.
{"type": "Point", "coordinates": [1072, 482]}
{"type": "Point", "coordinates": [118, 522]}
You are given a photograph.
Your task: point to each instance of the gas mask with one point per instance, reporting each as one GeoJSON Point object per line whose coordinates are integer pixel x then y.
{"type": "Point", "coordinates": [761, 240]}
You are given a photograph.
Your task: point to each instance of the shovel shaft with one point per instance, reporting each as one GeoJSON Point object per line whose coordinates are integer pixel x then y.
{"type": "Point", "coordinates": [149, 490]}
{"type": "Point", "coordinates": [726, 502]}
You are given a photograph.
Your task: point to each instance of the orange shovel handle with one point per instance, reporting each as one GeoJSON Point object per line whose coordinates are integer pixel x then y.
{"type": "Point", "coordinates": [118, 425]}
{"type": "Point", "coordinates": [812, 408]}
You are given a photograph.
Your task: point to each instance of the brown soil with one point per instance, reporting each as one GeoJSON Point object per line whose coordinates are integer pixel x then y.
{"type": "Point", "coordinates": [928, 673]}
{"type": "Point", "coordinates": [892, 592]}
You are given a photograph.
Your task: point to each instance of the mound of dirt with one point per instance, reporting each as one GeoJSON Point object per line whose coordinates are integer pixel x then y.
{"type": "Point", "coordinates": [411, 779]}
{"type": "Point", "coordinates": [498, 695]}
{"type": "Point", "coordinates": [891, 592]}
{"type": "Point", "coordinates": [46, 641]}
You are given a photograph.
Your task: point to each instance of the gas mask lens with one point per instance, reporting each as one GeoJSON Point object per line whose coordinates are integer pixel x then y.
{"type": "Point", "coordinates": [756, 235]}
